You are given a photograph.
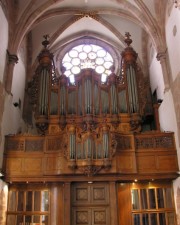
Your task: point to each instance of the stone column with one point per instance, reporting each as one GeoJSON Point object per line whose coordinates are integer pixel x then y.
{"type": "Point", "coordinates": [12, 60]}
{"type": "Point", "coordinates": [3, 201]}
{"type": "Point", "coordinates": [162, 57]}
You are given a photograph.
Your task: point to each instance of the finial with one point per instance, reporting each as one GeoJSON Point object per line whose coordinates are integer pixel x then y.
{"type": "Point", "coordinates": [46, 41]}
{"type": "Point", "coordinates": [128, 40]}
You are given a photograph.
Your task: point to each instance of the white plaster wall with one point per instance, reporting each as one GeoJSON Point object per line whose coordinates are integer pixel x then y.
{"type": "Point", "coordinates": [167, 114]}
{"type": "Point", "coordinates": [3, 42]}
{"type": "Point", "coordinates": [173, 43]}
{"type": "Point", "coordinates": [12, 122]}
{"type": "Point", "coordinates": [156, 77]}
{"type": "Point", "coordinates": [172, 37]}
{"type": "Point", "coordinates": [167, 118]}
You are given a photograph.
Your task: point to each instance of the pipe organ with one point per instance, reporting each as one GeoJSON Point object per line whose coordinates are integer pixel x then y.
{"type": "Point", "coordinates": [89, 112]}
{"type": "Point", "coordinates": [94, 140]}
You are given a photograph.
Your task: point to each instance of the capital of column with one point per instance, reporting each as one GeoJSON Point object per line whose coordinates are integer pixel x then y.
{"type": "Point", "coordinates": [164, 61]}
{"type": "Point", "coordinates": [177, 3]}
{"type": "Point", "coordinates": [161, 55]}
{"type": "Point", "coordinates": [12, 58]}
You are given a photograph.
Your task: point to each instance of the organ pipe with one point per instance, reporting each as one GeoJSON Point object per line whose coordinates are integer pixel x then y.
{"type": "Point", "coordinates": [113, 100]}
{"type": "Point", "coordinates": [63, 100]}
{"type": "Point", "coordinates": [129, 57]}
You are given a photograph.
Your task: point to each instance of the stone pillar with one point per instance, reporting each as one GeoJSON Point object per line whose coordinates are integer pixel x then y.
{"type": "Point", "coordinates": [12, 60]}
{"type": "Point", "coordinates": [3, 202]}
{"type": "Point", "coordinates": [162, 57]}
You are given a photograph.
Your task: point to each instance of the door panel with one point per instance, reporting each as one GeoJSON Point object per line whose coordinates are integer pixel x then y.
{"type": "Point", "coordinates": [90, 204]}
{"type": "Point", "coordinates": [100, 216]}
{"type": "Point", "coordinates": [90, 216]}
{"type": "Point", "coordinates": [81, 216]}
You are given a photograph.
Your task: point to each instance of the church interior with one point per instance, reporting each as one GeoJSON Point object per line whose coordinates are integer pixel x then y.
{"type": "Point", "coordinates": [90, 112]}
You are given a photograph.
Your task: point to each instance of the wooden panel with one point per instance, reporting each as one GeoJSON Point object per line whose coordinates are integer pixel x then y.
{"type": "Point", "coordinates": [81, 195]}
{"type": "Point", "coordinates": [90, 204]}
{"type": "Point", "coordinates": [55, 165]}
{"type": "Point", "coordinates": [81, 216]}
{"type": "Point", "coordinates": [124, 204]}
{"type": "Point", "coordinates": [90, 215]}
{"type": "Point", "coordinates": [33, 165]}
{"type": "Point", "coordinates": [167, 162]}
{"type": "Point", "coordinates": [113, 203]}
{"type": "Point", "coordinates": [126, 162]}
{"type": "Point", "coordinates": [146, 163]}
{"type": "Point", "coordinates": [156, 162]}
{"type": "Point", "coordinates": [100, 216]}
{"type": "Point", "coordinates": [14, 165]}
{"type": "Point", "coordinates": [90, 194]}
{"type": "Point", "coordinates": [100, 194]}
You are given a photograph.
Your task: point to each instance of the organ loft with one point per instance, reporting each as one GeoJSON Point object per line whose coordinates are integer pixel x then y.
{"type": "Point", "coordinates": [98, 155]}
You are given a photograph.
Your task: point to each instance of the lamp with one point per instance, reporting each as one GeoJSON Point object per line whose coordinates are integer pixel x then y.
{"type": "Point", "coordinates": [17, 104]}
{"type": "Point", "coordinates": [1, 173]}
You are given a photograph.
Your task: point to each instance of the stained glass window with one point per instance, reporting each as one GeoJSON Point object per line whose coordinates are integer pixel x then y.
{"type": "Point", "coordinates": [87, 56]}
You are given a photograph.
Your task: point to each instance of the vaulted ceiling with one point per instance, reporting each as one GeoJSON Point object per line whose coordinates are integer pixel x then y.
{"type": "Point", "coordinates": [108, 20]}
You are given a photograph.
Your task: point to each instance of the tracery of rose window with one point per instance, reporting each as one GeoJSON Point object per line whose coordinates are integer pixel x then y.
{"type": "Point", "coordinates": [87, 56]}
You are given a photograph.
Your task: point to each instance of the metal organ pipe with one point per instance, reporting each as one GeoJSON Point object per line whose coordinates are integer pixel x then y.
{"type": "Point", "coordinates": [106, 145]}
{"type": "Point", "coordinates": [88, 97]}
{"type": "Point", "coordinates": [63, 100]}
{"type": "Point", "coordinates": [96, 99]}
{"type": "Point", "coordinates": [132, 89]}
{"type": "Point", "coordinates": [80, 100]}
{"type": "Point", "coordinates": [43, 95]}
{"type": "Point", "coordinates": [72, 144]}
{"type": "Point", "coordinates": [113, 100]}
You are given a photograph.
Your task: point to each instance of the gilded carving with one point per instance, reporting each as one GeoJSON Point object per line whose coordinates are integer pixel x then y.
{"type": "Point", "coordinates": [82, 217]}
{"type": "Point", "coordinates": [99, 217]}
{"type": "Point", "coordinates": [58, 144]}
{"type": "Point", "coordinates": [81, 194]}
{"type": "Point", "coordinates": [90, 170]}
{"type": "Point", "coordinates": [34, 145]}
{"type": "Point", "coordinates": [122, 142]}
{"type": "Point", "coordinates": [14, 145]}
{"type": "Point", "coordinates": [54, 129]}
{"type": "Point", "coordinates": [99, 193]}
{"type": "Point", "coordinates": [155, 142]}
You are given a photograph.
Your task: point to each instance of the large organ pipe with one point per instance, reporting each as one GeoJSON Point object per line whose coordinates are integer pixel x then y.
{"type": "Point", "coordinates": [113, 100]}
{"type": "Point", "coordinates": [80, 109]}
{"type": "Point", "coordinates": [43, 95]}
{"type": "Point", "coordinates": [132, 90]}
{"type": "Point", "coordinates": [96, 99]}
{"type": "Point", "coordinates": [72, 143]}
{"type": "Point", "coordinates": [88, 97]}
{"type": "Point", "coordinates": [63, 100]}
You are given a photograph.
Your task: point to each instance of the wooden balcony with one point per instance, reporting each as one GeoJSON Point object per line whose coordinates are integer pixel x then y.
{"type": "Point", "coordinates": [142, 156]}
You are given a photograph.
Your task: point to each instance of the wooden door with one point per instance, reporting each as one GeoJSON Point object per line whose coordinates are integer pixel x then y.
{"type": "Point", "coordinates": [90, 204]}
